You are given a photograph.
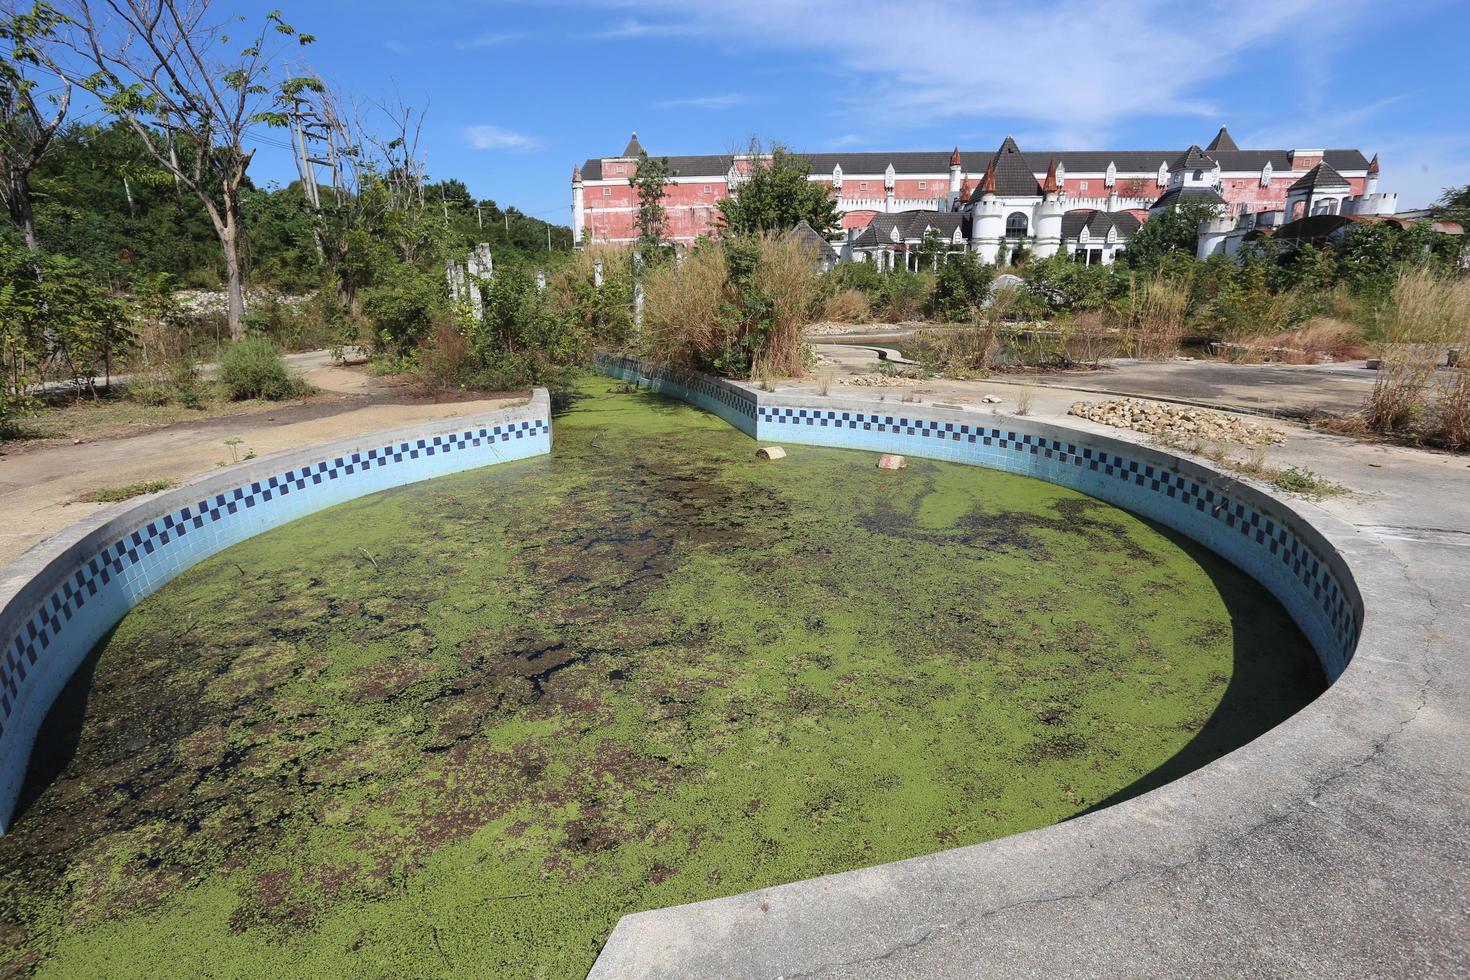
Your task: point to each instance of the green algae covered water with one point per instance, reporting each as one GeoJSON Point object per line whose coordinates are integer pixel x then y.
{"type": "Point", "coordinates": [460, 728]}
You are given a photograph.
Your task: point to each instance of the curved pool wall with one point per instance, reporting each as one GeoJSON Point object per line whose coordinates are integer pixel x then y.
{"type": "Point", "coordinates": [61, 597]}
{"type": "Point", "coordinates": [1259, 534]}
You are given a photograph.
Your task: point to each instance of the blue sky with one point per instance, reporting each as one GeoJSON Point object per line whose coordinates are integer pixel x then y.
{"type": "Point", "coordinates": [518, 92]}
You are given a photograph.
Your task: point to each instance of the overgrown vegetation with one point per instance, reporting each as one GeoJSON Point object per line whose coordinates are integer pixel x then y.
{"type": "Point", "coordinates": [735, 307]}
{"type": "Point", "coordinates": [112, 495]}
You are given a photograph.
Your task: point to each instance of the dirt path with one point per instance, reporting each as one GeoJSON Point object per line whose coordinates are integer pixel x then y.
{"type": "Point", "coordinates": [39, 484]}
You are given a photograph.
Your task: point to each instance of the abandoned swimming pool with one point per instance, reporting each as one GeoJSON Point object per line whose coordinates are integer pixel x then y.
{"type": "Point", "coordinates": [467, 724]}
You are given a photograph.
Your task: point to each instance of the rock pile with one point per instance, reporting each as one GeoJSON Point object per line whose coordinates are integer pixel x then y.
{"type": "Point", "coordinates": [1178, 422]}
{"type": "Point", "coordinates": [878, 381]}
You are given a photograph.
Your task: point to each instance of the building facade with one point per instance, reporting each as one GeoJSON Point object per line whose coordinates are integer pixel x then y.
{"type": "Point", "coordinates": [1121, 185]}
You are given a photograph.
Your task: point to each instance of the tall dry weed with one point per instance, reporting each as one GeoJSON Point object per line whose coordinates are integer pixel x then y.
{"type": "Point", "coordinates": [1427, 313]}
{"type": "Point", "coordinates": [785, 276]}
{"type": "Point", "coordinates": [1153, 317]}
{"type": "Point", "coordinates": [684, 307]}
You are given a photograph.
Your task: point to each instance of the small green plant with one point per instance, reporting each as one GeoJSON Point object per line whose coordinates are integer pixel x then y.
{"type": "Point", "coordinates": [111, 495]}
{"type": "Point", "coordinates": [252, 368]}
{"type": "Point", "coordinates": [1296, 480]}
{"type": "Point", "coordinates": [234, 452]}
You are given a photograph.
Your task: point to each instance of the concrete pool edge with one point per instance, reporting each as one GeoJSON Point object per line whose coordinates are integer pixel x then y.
{"type": "Point", "coordinates": [982, 903]}
{"type": "Point", "coordinates": [64, 594]}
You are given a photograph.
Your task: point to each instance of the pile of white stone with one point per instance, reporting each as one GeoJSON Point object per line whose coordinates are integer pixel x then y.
{"type": "Point", "coordinates": [878, 381]}
{"type": "Point", "coordinates": [1178, 422]}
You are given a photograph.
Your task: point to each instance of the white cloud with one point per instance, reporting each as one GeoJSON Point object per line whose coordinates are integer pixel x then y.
{"type": "Point", "coordinates": [1067, 68]}
{"type": "Point", "coordinates": [487, 137]}
{"type": "Point", "coordinates": [398, 47]}
{"type": "Point", "coordinates": [489, 40]}
{"type": "Point", "coordinates": [631, 28]}
{"type": "Point", "coordinates": [704, 102]}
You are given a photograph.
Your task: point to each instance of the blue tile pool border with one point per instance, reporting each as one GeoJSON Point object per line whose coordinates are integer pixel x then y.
{"type": "Point", "coordinates": [60, 598]}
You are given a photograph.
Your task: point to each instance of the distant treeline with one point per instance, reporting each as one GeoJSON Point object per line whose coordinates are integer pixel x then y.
{"type": "Point", "coordinates": [100, 199]}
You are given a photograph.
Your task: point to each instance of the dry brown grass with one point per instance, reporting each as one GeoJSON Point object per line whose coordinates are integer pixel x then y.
{"type": "Point", "coordinates": [693, 313]}
{"type": "Point", "coordinates": [682, 308]}
{"type": "Point", "coordinates": [786, 274]}
{"type": "Point", "coordinates": [1153, 316]}
{"type": "Point", "coordinates": [846, 306]}
{"type": "Point", "coordinates": [1426, 315]}
{"type": "Point", "coordinates": [442, 361]}
{"type": "Point", "coordinates": [1450, 424]}
{"type": "Point", "coordinates": [1321, 338]}
{"type": "Point", "coordinates": [967, 352]}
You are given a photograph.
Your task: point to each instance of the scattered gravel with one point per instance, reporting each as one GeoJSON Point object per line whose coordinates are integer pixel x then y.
{"type": "Point", "coordinates": [1174, 422]}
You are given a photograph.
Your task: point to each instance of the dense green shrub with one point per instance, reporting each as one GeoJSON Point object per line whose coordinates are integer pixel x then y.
{"type": "Point", "coordinates": [961, 285]}
{"type": "Point", "coordinates": [403, 307]}
{"type": "Point", "coordinates": [252, 368]}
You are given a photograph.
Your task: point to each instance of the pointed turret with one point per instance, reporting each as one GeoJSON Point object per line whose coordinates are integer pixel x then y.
{"type": "Point", "coordinates": [987, 183]}
{"type": "Point", "coordinates": [1373, 166]}
{"type": "Point", "coordinates": [1222, 142]}
{"type": "Point", "coordinates": [634, 149]}
{"type": "Point", "coordinates": [576, 174]}
{"type": "Point", "coordinates": [1049, 186]}
{"type": "Point", "coordinates": [954, 157]}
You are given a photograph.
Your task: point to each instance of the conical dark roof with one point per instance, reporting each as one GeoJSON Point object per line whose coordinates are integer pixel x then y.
{"type": "Point", "coordinates": [1009, 174]}
{"type": "Point", "coordinates": [1194, 159]}
{"type": "Point", "coordinates": [1321, 177]}
{"type": "Point", "coordinates": [634, 148]}
{"type": "Point", "coordinates": [1222, 141]}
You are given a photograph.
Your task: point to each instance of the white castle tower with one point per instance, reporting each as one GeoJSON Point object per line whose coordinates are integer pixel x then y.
{"type": "Point", "coordinates": [1049, 216]}
{"type": "Point", "coordinates": [988, 226]}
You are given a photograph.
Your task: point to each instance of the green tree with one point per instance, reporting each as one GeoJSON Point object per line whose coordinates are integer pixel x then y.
{"type": "Point", "coordinates": [776, 194]}
{"type": "Point", "coordinates": [960, 287]}
{"type": "Point", "coordinates": [650, 180]}
{"type": "Point", "coordinates": [155, 65]}
{"type": "Point", "coordinates": [26, 127]}
{"type": "Point", "coordinates": [1173, 231]}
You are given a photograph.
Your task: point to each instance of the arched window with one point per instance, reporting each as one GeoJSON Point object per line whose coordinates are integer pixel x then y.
{"type": "Point", "coordinates": [1016, 225]}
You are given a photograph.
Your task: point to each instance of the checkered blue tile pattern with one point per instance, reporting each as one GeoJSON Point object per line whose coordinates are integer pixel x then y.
{"type": "Point", "coordinates": [108, 583]}
{"type": "Point", "coordinates": [1263, 538]}
{"type": "Point", "coordinates": [730, 402]}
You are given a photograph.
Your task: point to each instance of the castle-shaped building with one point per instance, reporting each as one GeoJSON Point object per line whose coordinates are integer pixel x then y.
{"type": "Point", "coordinates": [1005, 203]}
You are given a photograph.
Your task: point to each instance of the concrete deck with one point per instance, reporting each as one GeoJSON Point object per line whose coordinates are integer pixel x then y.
{"type": "Point", "coordinates": [1336, 844]}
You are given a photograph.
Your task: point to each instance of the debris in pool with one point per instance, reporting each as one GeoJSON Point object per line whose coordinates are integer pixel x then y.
{"type": "Point", "coordinates": [991, 400]}
{"type": "Point", "coordinates": [891, 461]}
{"type": "Point", "coordinates": [771, 452]}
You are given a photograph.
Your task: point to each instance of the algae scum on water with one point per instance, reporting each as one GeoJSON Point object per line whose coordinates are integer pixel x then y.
{"type": "Point", "coordinates": [462, 727]}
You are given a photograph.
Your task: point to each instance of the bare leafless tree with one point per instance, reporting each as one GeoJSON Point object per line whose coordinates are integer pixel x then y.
{"type": "Point", "coordinates": [34, 98]}
{"type": "Point", "coordinates": [170, 70]}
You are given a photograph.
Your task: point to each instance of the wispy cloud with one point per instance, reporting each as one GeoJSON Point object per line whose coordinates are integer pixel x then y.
{"type": "Point", "coordinates": [489, 40]}
{"type": "Point", "coordinates": [705, 102]}
{"type": "Point", "coordinates": [1158, 59]}
{"type": "Point", "coordinates": [631, 28]}
{"type": "Point", "coordinates": [487, 137]}
{"type": "Point", "coordinates": [398, 47]}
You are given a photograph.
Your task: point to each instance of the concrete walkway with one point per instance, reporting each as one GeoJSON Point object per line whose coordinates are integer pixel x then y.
{"type": "Point", "coordinates": [1350, 857]}
{"type": "Point", "coordinates": [39, 485]}
{"type": "Point", "coordinates": [1280, 390]}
